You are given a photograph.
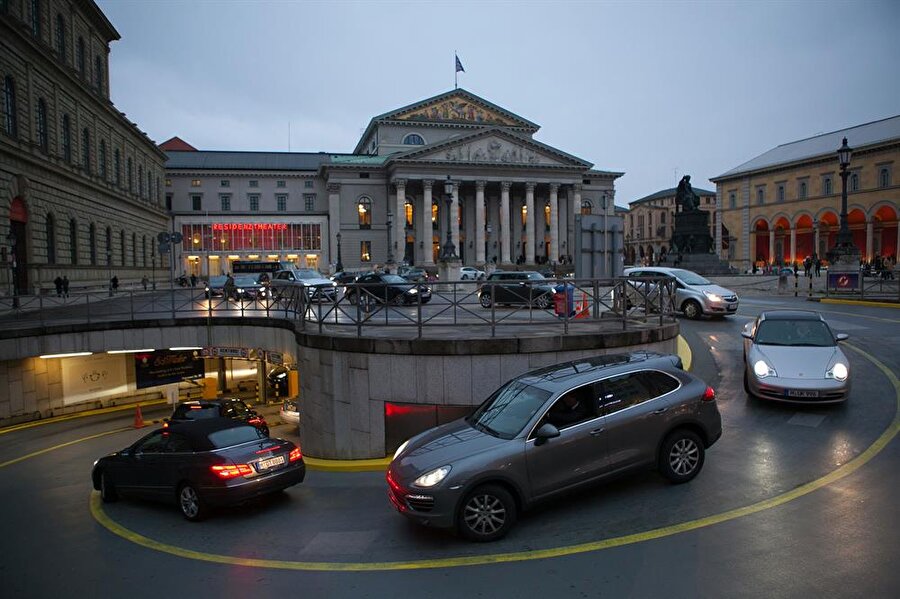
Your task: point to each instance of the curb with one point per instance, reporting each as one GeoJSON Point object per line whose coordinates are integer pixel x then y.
{"type": "Point", "coordinates": [323, 465]}
{"type": "Point", "coordinates": [684, 352]}
{"type": "Point", "coordinates": [52, 419]}
{"type": "Point", "coordinates": [859, 303]}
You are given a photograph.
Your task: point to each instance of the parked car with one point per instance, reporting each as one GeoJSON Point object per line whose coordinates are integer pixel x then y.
{"type": "Point", "coordinates": [343, 277]}
{"type": "Point", "coordinates": [549, 431]}
{"type": "Point", "coordinates": [312, 281]}
{"type": "Point", "coordinates": [695, 296]}
{"type": "Point", "coordinates": [290, 413]}
{"type": "Point", "coordinates": [413, 273]}
{"type": "Point", "coordinates": [523, 288]}
{"type": "Point", "coordinates": [793, 356]}
{"type": "Point", "coordinates": [250, 288]}
{"type": "Point", "coordinates": [200, 465]}
{"type": "Point", "coordinates": [470, 273]}
{"type": "Point", "coordinates": [381, 288]}
{"type": "Point", "coordinates": [205, 409]}
{"type": "Point", "coordinates": [215, 287]}
{"type": "Point", "coordinates": [277, 379]}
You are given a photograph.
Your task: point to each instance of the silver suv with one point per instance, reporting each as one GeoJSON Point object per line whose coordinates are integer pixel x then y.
{"type": "Point", "coordinates": [314, 282]}
{"type": "Point", "coordinates": [694, 295]}
{"type": "Point", "coordinates": [551, 430]}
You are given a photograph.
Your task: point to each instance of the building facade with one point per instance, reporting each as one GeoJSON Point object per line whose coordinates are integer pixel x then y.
{"type": "Point", "coordinates": [785, 204]}
{"type": "Point", "coordinates": [80, 184]}
{"type": "Point", "coordinates": [514, 199]}
{"type": "Point", "coordinates": [648, 224]}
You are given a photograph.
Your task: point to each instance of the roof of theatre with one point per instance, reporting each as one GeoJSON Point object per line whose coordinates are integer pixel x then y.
{"type": "Point", "coordinates": [258, 161]}
{"type": "Point", "coordinates": [668, 193]}
{"type": "Point", "coordinates": [821, 146]}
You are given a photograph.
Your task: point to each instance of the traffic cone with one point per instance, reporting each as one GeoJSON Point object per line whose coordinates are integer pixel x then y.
{"type": "Point", "coordinates": [582, 308]}
{"type": "Point", "coordinates": [138, 418]}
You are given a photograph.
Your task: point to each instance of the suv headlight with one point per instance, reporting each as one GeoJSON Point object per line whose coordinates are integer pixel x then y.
{"type": "Point", "coordinates": [838, 372]}
{"type": "Point", "coordinates": [712, 296]}
{"type": "Point", "coordinates": [432, 478]}
{"type": "Point", "coordinates": [763, 370]}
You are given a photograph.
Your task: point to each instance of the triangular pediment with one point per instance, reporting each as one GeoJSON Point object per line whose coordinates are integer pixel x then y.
{"type": "Point", "coordinates": [494, 146]}
{"type": "Point", "coordinates": [458, 106]}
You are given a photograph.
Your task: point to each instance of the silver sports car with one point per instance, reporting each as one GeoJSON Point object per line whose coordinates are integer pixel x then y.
{"type": "Point", "coordinates": [792, 355]}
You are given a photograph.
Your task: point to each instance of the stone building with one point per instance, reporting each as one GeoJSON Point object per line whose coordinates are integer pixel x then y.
{"type": "Point", "coordinates": [785, 204]}
{"type": "Point", "coordinates": [80, 184]}
{"type": "Point", "coordinates": [514, 198]}
{"type": "Point", "coordinates": [648, 224]}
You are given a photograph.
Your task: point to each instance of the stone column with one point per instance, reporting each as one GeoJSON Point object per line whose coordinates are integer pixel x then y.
{"type": "Point", "coordinates": [479, 223]}
{"type": "Point", "coordinates": [334, 220]}
{"type": "Point", "coordinates": [771, 247]}
{"type": "Point", "coordinates": [399, 238]}
{"type": "Point", "coordinates": [870, 238]}
{"type": "Point", "coordinates": [793, 244]}
{"type": "Point", "coordinates": [454, 218]}
{"type": "Point", "coordinates": [816, 238]}
{"type": "Point", "coordinates": [575, 209]}
{"type": "Point", "coordinates": [554, 223]}
{"type": "Point", "coordinates": [425, 235]}
{"type": "Point", "coordinates": [529, 223]}
{"type": "Point", "coordinates": [505, 237]}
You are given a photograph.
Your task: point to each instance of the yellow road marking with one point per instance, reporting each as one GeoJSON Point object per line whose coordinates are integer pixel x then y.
{"type": "Point", "coordinates": [373, 465]}
{"type": "Point", "coordinates": [684, 352]}
{"type": "Point", "coordinates": [842, 472]}
{"type": "Point", "coordinates": [19, 427]}
{"type": "Point", "coordinates": [60, 446]}
{"type": "Point", "coordinates": [826, 300]}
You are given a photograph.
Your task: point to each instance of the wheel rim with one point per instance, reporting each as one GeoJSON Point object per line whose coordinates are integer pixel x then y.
{"type": "Point", "coordinates": [542, 302]}
{"type": "Point", "coordinates": [484, 514]}
{"type": "Point", "coordinates": [690, 310]}
{"type": "Point", "coordinates": [190, 502]}
{"type": "Point", "coordinates": [486, 301]}
{"type": "Point", "coordinates": [684, 456]}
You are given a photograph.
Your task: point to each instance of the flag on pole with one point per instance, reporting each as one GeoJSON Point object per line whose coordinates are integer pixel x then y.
{"type": "Point", "coordinates": [459, 66]}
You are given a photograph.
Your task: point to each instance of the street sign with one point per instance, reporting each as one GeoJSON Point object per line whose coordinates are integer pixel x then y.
{"type": "Point", "coordinates": [162, 237]}
{"type": "Point", "coordinates": [164, 247]}
{"type": "Point", "coordinates": [229, 352]}
{"type": "Point", "coordinates": [176, 237]}
{"type": "Point", "coordinates": [274, 357]}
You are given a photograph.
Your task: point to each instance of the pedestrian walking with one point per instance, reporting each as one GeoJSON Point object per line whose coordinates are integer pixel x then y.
{"type": "Point", "coordinates": [57, 282]}
{"type": "Point", "coordinates": [114, 283]}
{"type": "Point", "coordinates": [193, 280]}
{"type": "Point", "coordinates": [229, 288]}
{"type": "Point", "coordinates": [65, 286]}
{"type": "Point", "coordinates": [818, 265]}
{"type": "Point", "coordinates": [145, 281]}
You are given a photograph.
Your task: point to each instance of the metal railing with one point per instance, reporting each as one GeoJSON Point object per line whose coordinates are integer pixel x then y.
{"type": "Point", "coordinates": [481, 309]}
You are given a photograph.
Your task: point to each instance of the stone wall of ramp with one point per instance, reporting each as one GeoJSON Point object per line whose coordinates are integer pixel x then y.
{"type": "Point", "coordinates": [346, 382]}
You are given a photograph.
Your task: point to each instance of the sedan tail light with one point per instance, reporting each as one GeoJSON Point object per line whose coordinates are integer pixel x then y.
{"type": "Point", "coordinates": [256, 420]}
{"type": "Point", "coordinates": [225, 472]}
{"type": "Point", "coordinates": [295, 455]}
{"type": "Point", "coordinates": [709, 394]}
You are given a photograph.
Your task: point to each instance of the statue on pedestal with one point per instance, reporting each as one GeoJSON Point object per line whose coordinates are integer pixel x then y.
{"type": "Point", "coordinates": [685, 196]}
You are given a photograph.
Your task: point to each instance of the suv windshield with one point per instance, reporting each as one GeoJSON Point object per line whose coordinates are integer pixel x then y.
{"type": "Point", "coordinates": [505, 413]}
{"type": "Point", "coordinates": [688, 278]}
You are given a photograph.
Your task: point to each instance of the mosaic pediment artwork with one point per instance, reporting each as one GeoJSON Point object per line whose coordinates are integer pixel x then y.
{"type": "Point", "coordinates": [493, 150]}
{"type": "Point", "coordinates": [458, 109]}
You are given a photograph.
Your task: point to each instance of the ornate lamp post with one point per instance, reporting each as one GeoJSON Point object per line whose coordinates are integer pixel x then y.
{"type": "Point", "coordinates": [448, 252]}
{"type": "Point", "coordinates": [845, 237]}
{"type": "Point", "coordinates": [340, 265]}
{"type": "Point", "coordinates": [390, 251]}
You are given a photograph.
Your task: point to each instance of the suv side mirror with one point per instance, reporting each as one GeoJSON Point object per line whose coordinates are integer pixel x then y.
{"type": "Point", "coordinates": [545, 433]}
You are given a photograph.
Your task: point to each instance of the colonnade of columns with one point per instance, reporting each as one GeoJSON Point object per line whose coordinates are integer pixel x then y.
{"type": "Point", "coordinates": [868, 252]}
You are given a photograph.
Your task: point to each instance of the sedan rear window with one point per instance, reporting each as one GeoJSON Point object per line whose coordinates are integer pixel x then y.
{"type": "Point", "coordinates": [234, 436]}
{"type": "Point", "coordinates": [505, 413]}
{"type": "Point", "coordinates": [195, 412]}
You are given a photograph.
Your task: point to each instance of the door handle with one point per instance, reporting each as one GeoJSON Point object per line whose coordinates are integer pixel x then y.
{"type": "Point", "coordinates": [597, 431]}
{"type": "Point", "coordinates": [660, 411]}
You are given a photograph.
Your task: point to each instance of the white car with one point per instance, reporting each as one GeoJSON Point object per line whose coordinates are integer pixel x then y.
{"type": "Point", "coordinates": [470, 273]}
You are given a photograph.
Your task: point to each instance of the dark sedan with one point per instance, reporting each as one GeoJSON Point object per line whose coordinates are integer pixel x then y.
{"type": "Point", "coordinates": [200, 465]}
{"type": "Point", "coordinates": [383, 288]}
{"type": "Point", "coordinates": [523, 288]}
{"type": "Point", "coordinates": [206, 409]}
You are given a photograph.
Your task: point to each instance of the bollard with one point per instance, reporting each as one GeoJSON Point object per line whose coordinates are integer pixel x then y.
{"type": "Point", "coordinates": [796, 281]}
{"type": "Point", "coordinates": [809, 292]}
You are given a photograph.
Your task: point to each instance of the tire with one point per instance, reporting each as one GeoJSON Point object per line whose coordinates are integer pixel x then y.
{"type": "Point", "coordinates": [107, 489]}
{"type": "Point", "coordinates": [486, 300]}
{"type": "Point", "coordinates": [747, 384]}
{"type": "Point", "coordinates": [542, 302]}
{"type": "Point", "coordinates": [692, 310]}
{"type": "Point", "coordinates": [681, 456]}
{"type": "Point", "coordinates": [486, 514]}
{"type": "Point", "coordinates": [190, 503]}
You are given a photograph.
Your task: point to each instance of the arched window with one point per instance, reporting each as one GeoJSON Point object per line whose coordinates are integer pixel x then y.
{"type": "Point", "coordinates": [98, 73]}
{"type": "Point", "coordinates": [9, 105]}
{"type": "Point", "coordinates": [41, 125]}
{"type": "Point", "coordinates": [803, 190]}
{"type": "Point", "coordinates": [586, 207]}
{"type": "Point", "coordinates": [413, 139]}
{"type": "Point", "coordinates": [36, 18]}
{"type": "Point", "coordinates": [141, 180]}
{"type": "Point", "coordinates": [884, 178]}
{"type": "Point", "coordinates": [66, 138]}
{"type": "Point", "coordinates": [827, 186]}
{"type": "Point", "coordinates": [122, 247]}
{"type": "Point", "coordinates": [81, 57]}
{"type": "Point", "coordinates": [364, 207]}
{"type": "Point", "coordinates": [129, 175]}
{"type": "Point", "coordinates": [86, 150]}
{"type": "Point", "coordinates": [61, 37]}
{"type": "Point", "coordinates": [92, 241]}
{"type": "Point", "coordinates": [73, 241]}
{"type": "Point", "coordinates": [108, 246]}
{"type": "Point", "coordinates": [101, 160]}
{"type": "Point", "coordinates": [51, 240]}
{"type": "Point", "coordinates": [117, 167]}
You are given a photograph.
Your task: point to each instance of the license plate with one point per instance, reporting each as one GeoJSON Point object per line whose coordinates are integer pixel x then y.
{"type": "Point", "coordinates": [732, 306]}
{"type": "Point", "coordinates": [266, 464]}
{"type": "Point", "coordinates": [798, 393]}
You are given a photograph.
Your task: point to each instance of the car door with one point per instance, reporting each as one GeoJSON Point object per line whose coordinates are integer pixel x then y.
{"type": "Point", "coordinates": [518, 289]}
{"type": "Point", "coordinates": [577, 455]}
{"type": "Point", "coordinates": [636, 409]}
{"type": "Point", "coordinates": [172, 463]}
{"type": "Point", "coordinates": [142, 474]}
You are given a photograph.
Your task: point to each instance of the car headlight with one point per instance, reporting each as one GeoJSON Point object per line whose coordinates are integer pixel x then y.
{"type": "Point", "coordinates": [240, 291]}
{"type": "Point", "coordinates": [763, 370]}
{"type": "Point", "coordinates": [712, 296]}
{"type": "Point", "coordinates": [207, 289]}
{"type": "Point", "coordinates": [432, 478]}
{"type": "Point", "coordinates": [413, 290]}
{"type": "Point", "coordinates": [400, 449]}
{"type": "Point", "coordinates": [838, 372]}
{"type": "Point", "coordinates": [333, 284]}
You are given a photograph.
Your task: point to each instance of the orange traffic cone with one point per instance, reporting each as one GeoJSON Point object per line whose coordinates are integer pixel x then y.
{"type": "Point", "coordinates": [138, 418]}
{"type": "Point", "coordinates": [582, 308]}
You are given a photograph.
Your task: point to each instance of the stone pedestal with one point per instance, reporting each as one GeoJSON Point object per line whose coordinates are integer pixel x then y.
{"type": "Point", "coordinates": [692, 232]}
{"type": "Point", "coordinates": [448, 270]}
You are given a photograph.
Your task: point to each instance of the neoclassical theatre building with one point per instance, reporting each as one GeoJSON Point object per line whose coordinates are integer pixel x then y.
{"type": "Point", "coordinates": [80, 184]}
{"type": "Point", "coordinates": [513, 200]}
{"type": "Point", "coordinates": [785, 204]}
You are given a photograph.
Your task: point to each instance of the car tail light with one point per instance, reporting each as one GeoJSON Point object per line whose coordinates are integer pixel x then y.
{"type": "Point", "coordinates": [230, 471]}
{"type": "Point", "coordinates": [256, 420]}
{"type": "Point", "coordinates": [709, 394]}
{"type": "Point", "coordinates": [165, 425]}
{"type": "Point", "coordinates": [295, 455]}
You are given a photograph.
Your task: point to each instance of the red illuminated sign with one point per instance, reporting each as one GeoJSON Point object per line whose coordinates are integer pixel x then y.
{"type": "Point", "coordinates": [249, 226]}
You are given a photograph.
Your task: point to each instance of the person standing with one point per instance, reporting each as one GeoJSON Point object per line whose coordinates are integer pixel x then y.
{"type": "Point", "coordinates": [818, 264]}
{"type": "Point", "coordinates": [114, 283]}
{"type": "Point", "coordinates": [57, 282]}
{"type": "Point", "coordinates": [65, 286]}
{"type": "Point", "coordinates": [193, 280]}
{"type": "Point", "coordinates": [144, 282]}
{"type": "Point", "coordinates": [229, 287]}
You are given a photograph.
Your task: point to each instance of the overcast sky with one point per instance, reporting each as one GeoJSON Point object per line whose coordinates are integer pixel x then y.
{"type": "Point", "coordinates": [654, 89]}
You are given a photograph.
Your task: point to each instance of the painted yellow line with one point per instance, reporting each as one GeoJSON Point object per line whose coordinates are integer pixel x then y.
{"type": "Point", "coordinates": [842, 472]}
{"type": "Point", "coordinates": [684, 352]}
{"type": "Point", "coordinates": [84, 414]}
{"type": "Point", "coordinates": [825, 300]}
{"type": "Point", "coordinates": [60, 446]}
{"type": "Point", "coordinates": [373, 465]}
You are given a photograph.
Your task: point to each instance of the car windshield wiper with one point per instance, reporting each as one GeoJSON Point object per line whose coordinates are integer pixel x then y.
{"type": "Point", "coordinates": [809, 345]}
{"type": "Point", "coordinates": [771, 343]}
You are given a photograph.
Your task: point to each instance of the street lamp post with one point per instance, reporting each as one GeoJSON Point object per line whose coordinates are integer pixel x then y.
{"type": "Point", "coordinates": [340, 265]}
{"type": "Point", "coordinates": [448, 252]}
{"type": "Point", "coordinates": [845, 238]}
{"type": "Point", "coordinates": [390, 251]}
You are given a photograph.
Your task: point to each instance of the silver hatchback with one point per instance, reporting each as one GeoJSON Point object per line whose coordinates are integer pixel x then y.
{"type": "Point", "coordinates": [549, 431]}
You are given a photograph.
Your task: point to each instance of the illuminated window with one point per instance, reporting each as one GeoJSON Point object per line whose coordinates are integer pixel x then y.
{"type": "Point", "coordinates": [434, 215]}
{"type": "Point", "coordinates": [195, 182]}
{"type": "Point", "coordinates": [365, 251]}
{"type": "Point", "coordinates": [364, 208]}
{"type": "Point", "coordinates": [586, 207]}
{"type": "Point", "coordinates": [524, 216]}
{"type": "Point", "coordinates": [408, 209]}
{"type": "Point", "coordinates": [547, 216]}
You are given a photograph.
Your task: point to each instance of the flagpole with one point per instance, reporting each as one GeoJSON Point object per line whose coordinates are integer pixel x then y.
{"type": "Point", "coordinates": [455, 72]}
